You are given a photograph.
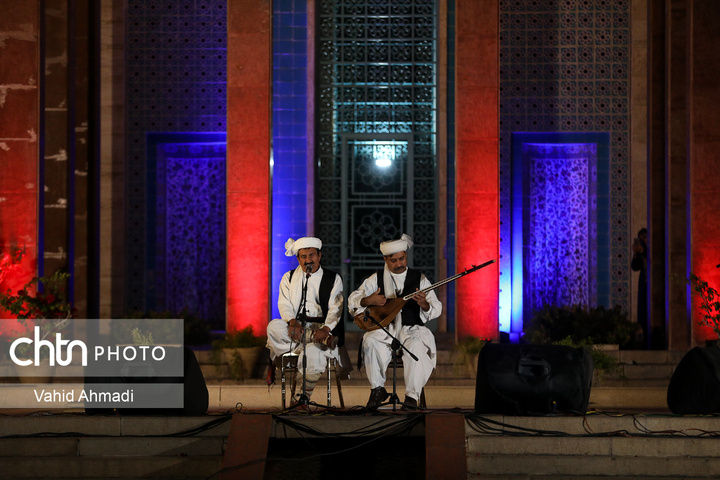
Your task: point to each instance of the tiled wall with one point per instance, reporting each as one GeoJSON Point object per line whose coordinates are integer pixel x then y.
{"type": "Point", "coordinates": [565, 68]}
{"type": "Point", "coordinates": [449, 248]}
{"type": "Point", "coordinates": [290, 182]}
{"type": "Point", "coordinates": [175, 82]}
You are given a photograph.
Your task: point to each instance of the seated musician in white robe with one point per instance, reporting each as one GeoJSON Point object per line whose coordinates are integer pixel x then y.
{"type": "Point", "coordinates": [323, 309]}
{"type": "Point", "coordinates": [397, 280]}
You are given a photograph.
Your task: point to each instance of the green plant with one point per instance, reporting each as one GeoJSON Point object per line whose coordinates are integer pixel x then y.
{"type": "Point", "coordinates": [709, 302]}
{"type": "Point", "coordinates": [594, 325]}
{"type": "Point", "coordinates": [604, 364]}
{"type": "Point", "coordinates": [195, 331]}
{"type": "Point", "coordinates": [244, 338]}
{"type": "Point", "coordinates": [240, 339]}
{"type": "Point", "coordinates": [48, 309]}
{"type": "Point", "coordinates": [467, 347]}
{"type": "Point", "coordinates": [29, 303]}
{"type": "Point", "coordinates": [10, 260]}
{"type": "Point", "coordinates": [465, 351]}
{"type": "Point", "coordinates": [139, 338]}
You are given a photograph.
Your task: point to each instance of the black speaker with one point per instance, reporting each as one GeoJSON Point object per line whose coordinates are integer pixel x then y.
{"type": "Point", "coordinates": [533, 379]}
{"type": "Point", "coordinates": [694, 387]}
{"type": "Point", "coordinates": [195, 392]}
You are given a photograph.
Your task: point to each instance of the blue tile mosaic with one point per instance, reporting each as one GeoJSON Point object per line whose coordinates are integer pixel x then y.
{"type": "Point", "coordinates": [575, 65]}
{"type": "Point", "coordinates": [176, 76]}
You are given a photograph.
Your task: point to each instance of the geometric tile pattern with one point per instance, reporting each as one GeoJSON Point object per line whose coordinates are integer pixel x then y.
{"type": "Point", "coordinates": [564, 67]}
{"type": "Point", "coordinates": [290, 135]}
{"type": "Point", "coordinates": [193, 225]}
{"type": "Point", "coordinates": [376, 100]}
{"type": "Point", "coordinates": [175, 82]}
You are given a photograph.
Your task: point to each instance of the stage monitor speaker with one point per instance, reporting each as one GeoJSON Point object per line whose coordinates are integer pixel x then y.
{"type": "Point", "coordinates": [694, 387]}
{"type": "Point", "coordinates": [195, 392]}
{"type": "Point", "coordinates": [533, 379]}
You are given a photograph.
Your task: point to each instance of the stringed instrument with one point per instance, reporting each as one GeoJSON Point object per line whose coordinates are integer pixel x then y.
{"type": "Point", "coordinates": [377, 316]}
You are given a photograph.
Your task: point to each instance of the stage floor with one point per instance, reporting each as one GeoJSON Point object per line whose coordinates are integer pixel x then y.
{"type": "Point", "coordinates": [260, 396]}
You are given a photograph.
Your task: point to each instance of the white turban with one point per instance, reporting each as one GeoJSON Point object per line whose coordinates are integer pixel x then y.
{"type": "Point", "coordinates": [395, 246]}
{"type": "Point", "coordinates": [292, 247]}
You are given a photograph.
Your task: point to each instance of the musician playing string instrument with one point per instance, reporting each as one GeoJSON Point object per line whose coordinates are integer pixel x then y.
{"type": "Point", "coordinates": [323, 308]}
{"type": "Point", "coordinates": [397, 280]}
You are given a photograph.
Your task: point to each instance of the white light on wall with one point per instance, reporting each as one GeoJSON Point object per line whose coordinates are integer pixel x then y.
{"type": "Point", "coordinates": [383, 162]}
{"type": "Point", "coordinates": [383, 154]}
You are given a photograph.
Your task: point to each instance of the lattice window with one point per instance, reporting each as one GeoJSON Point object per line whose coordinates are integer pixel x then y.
{"type": "Point", "coordinates": [376, 102]}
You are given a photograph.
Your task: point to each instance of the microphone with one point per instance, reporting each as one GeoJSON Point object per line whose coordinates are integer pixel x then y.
{"type": "Point", "coordinates": [308, 270]}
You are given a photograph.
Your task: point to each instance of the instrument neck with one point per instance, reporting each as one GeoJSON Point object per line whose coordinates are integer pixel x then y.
{"type": "Point", "coordinates": [448, 280]}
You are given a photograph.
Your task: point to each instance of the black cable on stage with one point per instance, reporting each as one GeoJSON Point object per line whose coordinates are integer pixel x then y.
{"type": "Point", "coordinates": [375, 432]}
{"type": "Point", "coordinates": [489, 426]}
{"type": "Point", "coordinates": [380, 427]}
{"type": "Point", "coordinates": [184, 433]}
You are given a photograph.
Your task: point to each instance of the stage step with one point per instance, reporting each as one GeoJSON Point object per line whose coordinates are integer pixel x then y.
{"type": "Point", "coordinates": [639, 384]}
{"type": "Point", "coordinates": [633, 366]}
{"type": "Point", "coordinates": [593, 447]}
{"type": "Point", "coordinates": [260, 396]}
{"type": "Point", "coordinates": [498, 447]}
{"type": "Point", "coordinates": [79, 446]}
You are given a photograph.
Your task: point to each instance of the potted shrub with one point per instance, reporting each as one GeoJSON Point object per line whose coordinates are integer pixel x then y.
{"type": "Point", "coordinates": [593, 328]}
{"type": "Point", "coordinates": [196, 331]}
{"type": "Point", "coordinates": [709, 303]}
{"type": "Point", "coordinates": [240, 349]}
{"type": "Point", "coordinates": [465, 355]}
{"type": "Point", "coordinates": [693, 387]}
{"type": "Point", "coordinates": [10, 260]}
{"type": "Point", "coordinates": [592, 325]}
{"type": "Point", "coordinates": [603, 363]}
{"type": "Point", "coordinates": [48, 310]}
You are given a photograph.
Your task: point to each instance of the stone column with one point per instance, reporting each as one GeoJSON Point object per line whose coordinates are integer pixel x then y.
{"type": "Point", "coordinates": [676, 164]}
{"type": "Point", "coordinates": [656, 173]}
{"type": "Point", "coordinates": [112, 159]}
{"type": "Point", "coordinates": [249, 85]}
{"type": "Point", "coordinates": [19, 130]}
{"type": "Point", "coordinates": [477, 157]}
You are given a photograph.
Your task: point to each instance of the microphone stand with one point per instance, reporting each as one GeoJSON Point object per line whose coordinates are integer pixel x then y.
{"type": "Point", "coordinates": [394, 399]}
{"type": "Point", "coordinates": [302, 316]}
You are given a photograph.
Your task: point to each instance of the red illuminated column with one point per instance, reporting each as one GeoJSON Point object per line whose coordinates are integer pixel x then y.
{"type": "Point", "coordinates": [19, 127]}
{"type": "Point", "coordinates": [249, 80]}
{"type": "Point", "coordinates": [477, 185]}
{"type": "Point", "coordinates": [704, 154]}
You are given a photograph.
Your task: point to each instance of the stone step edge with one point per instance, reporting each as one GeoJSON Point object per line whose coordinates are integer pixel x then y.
{"type": "Point", "coordinates": [447, 396]}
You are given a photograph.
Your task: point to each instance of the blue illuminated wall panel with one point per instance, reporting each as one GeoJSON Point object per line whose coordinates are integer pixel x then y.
{"type": "Point", "coordinates": [290, 182]}
{"type": "Point", "coordinates": [560, 221]}
{"type": "Point", "coordinates": [564, 67]}
{"type": "Point", "coordinates": [449, 250]}
{"type": "Point", "coordinates": [186, 247]}
{"type": "Point", "coordinates": [175, 83]}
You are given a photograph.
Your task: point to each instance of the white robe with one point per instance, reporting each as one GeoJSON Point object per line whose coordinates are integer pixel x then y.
{"type": "Point", "coordinates": [279, 341]}
{"type": "Point", "coordinates": [377, 351]}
